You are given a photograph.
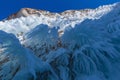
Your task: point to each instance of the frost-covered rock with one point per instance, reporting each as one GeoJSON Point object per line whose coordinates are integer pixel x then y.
{"type": "Point", "coordinates": [42, 38]}
{"type": "Point", "coordinates": [79, 52]}
{"type": "Point", "coordinates": [88, 51]}
{"type": "Point", "coordinates": [18, 63]}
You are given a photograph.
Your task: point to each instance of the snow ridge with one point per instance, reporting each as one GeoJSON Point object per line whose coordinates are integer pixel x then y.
{"type": "Point", "coordinates": [28, 21]}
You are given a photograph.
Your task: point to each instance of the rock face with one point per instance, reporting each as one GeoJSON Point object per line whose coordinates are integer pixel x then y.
{"type": "Point", "coordinates": [24, 12]}
{"type": "Point", "coordinates": [72, 45]}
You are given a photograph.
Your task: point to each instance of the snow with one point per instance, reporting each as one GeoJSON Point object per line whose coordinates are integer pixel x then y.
{"type": "Point", "coordinates": [87, 48]}
{"type": "Point", "coordinates": [62, 20]}
{"type": "Point", "coordinates": [18, 63]}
